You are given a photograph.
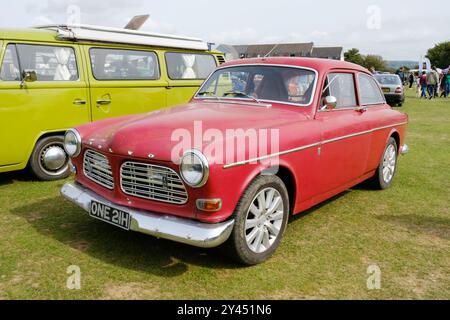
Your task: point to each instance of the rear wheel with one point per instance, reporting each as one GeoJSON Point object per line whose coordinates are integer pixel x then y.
{"type": "Point", "coordinates": [388, 166]}
{"type": "Point", "coordinates": [260, 221]}
{"type": "Point", "coordinates": [49, 161]}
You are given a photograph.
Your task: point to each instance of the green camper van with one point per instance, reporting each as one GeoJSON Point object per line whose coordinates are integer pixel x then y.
{"type": "Point", "coordinates": [56, 77]}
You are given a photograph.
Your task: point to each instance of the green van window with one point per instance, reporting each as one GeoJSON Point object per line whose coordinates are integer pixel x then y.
{"type": "Point", "coordinates": [10, 70]}
{"type": "Point", "coordinates": [187, 66]}
{"type": "Point", "coordinates": [116, 64]}
{"type": "Point", "coordinates": [51, 63]}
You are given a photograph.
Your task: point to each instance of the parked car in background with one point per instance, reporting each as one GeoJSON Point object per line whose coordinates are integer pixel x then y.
{"type": "Point", "coordinates": [56, 77]}
{"type": "Point", "coordinates": [322, 125]}
{"type": "Point", "coordinates": [392, 87]}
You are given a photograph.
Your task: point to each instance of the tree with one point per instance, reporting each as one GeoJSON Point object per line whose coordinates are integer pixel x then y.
{"type": "Point", "coordinates": [375, 61]}
{"type": "Point", "coordinates": [440, 54]}
{"type": "Point", "coordinates": [354, 56]}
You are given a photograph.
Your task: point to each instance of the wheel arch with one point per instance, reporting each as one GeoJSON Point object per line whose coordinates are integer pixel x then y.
{"type": "Point", "coordinates": [286, 174]}
{"type": "Point", "coordinates": [41, 136]}
{"type": "Point", "coordinates": [394, 134]}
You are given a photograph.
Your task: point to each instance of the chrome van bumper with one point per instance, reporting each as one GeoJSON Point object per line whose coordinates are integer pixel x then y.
{"type": "Point", "coordinates": [161, 226]}
{"type": "Point", "coordinates": [404, 149]}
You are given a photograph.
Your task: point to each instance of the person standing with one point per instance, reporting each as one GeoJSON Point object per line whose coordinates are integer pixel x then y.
{"type": "Point", "coordinates": [432, 81]}
{"type": "Point", "coordinates": [443, 85]}
{"type": "Point", "coordinates": [447, 85]}
{"type": "Point", "coordinates": [423, 84]}
{"type": "Point", "coordinates": [411, 80]}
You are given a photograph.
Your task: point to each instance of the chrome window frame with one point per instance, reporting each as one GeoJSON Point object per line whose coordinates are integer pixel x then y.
{"type": "Point", "coordinates": [219, 99]}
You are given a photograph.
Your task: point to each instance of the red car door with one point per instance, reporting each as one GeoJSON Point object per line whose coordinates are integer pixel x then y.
{"type": "Point", "coordinates": [346, 134]}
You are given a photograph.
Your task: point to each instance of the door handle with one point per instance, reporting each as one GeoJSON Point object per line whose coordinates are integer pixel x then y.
{"type": "Point", "coordinates": [103, 102]}
{"type": "Point", "coordinates": [79, 102]}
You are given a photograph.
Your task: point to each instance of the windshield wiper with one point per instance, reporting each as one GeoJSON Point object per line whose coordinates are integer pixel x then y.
{"type": "Point", "coordinates": [241, 94]}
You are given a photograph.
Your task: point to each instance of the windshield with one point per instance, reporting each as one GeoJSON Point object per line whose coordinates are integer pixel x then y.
{"type": "Point", "coordinates": [261, 83]}
{"type": "Point", "coordinates": [388, 79]}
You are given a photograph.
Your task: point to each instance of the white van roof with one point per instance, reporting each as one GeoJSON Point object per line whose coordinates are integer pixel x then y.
{"type": "Point", "coordinates": [125, 36]}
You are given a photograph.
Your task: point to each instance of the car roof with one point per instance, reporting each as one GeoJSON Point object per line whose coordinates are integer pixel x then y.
{"type": "Point", "coordinates": [28, 34]}
{"type": "Point", "coordinates": [47, 35]}
{"type": "Point", "coordinates": [321, 65]}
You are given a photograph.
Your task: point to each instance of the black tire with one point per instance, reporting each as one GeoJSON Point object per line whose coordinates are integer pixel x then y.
{"type": "Point", "coordinates": [236, 245]}
{"type": "Point", "coordinates": [379, 181]}
{"type": "Point", "coordinates": [38, 168]}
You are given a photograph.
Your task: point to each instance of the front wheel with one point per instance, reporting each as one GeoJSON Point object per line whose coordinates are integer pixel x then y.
{"type": "Point", "coordinates": [388, 166]}
{"type": "Point", "coordinates": [49, 161]}
{"type": "Point", "coordinates": [260, 221]}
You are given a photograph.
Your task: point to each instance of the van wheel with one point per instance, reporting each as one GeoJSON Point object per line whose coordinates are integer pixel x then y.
{"type": "Point", "coordinates": [49, 161]}
{"type": "Point", "coordinates": [388, 167]}
{"type": "Point", "coordinates": [261, 217]}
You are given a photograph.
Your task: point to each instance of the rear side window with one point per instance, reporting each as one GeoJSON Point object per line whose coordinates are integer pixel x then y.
{"type": "Point", "coordinates": [342, 87]}
{"type": "Point", "coordinates": [118, 64]}
{"type": "Point", "coordinates": [186, 66]}
{"type": "Point", "coordinates": [369, 90]}
{"type": "Point", "coordinates": [10, 70]}
{"type": "Point", "coordinates": [50, 63]}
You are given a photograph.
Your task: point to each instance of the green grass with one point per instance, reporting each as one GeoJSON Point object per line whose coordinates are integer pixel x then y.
{"type": "Point", "coordinates": [325, 253]}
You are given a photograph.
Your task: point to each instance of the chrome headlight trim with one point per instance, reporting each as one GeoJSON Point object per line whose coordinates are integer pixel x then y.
{"type": "Point", "coordinates": [205, 168]}
{"type": "Point", "coordinates": [77, 140]}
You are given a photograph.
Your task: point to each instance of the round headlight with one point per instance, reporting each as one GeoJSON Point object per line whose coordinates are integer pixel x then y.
{"type": "Point", "coordinates": [72, 143]}
{"type": "Point", "coordinates": [194, 168]}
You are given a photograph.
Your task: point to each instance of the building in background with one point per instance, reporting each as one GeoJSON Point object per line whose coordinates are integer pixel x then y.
{"type": "Point", "coordinates": [281, 50]}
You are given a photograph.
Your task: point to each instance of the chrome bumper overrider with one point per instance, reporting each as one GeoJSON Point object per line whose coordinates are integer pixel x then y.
{"type": "Point", "coordinates": [404, 149]}
{"type": "Point", "coordinates": [161, 226]}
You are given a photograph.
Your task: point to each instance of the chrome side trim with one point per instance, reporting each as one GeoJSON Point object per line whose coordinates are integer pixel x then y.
{"type": "Point", "coordinates": [236, 164]}
{"type": "Point", "coordinates": [181, 230]}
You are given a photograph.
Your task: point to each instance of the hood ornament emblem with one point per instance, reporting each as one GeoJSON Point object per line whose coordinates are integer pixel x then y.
{"type": "Point", "coordinates": [130, 153]}
{"type": "Point", "coordinates": [151, 156]}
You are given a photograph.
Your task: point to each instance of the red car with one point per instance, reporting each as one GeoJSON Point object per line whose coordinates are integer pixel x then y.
{"type": "Point", "coordinates": [261, 140]}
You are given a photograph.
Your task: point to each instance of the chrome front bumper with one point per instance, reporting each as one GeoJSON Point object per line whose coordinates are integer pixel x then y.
{"type": "Point", "coordinates": [404, 149]}
{"type": "Point", "coordinates": [161, 226]}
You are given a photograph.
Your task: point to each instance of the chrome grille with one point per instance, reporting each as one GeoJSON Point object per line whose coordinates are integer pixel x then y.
{"type": "Point", "coordinates": [97, 168]}
{"type": "Point", "coordinates": [152, 182]}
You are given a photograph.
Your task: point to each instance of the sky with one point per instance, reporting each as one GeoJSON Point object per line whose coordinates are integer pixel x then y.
{"type": "Point", "coordinates": [397, 30]}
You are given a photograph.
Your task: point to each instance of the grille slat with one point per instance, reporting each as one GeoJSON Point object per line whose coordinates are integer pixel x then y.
{"type": "Point", "coordinates": [96, 167]}
{"type": "Point", "coordinates": [152, 182]}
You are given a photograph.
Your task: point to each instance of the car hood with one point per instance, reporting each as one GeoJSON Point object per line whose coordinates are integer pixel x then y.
{"type": "Point", "coordinates": [157, 133]}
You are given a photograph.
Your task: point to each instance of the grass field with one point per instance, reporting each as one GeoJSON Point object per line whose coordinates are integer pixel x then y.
{"type": "Point", "coordinates": [326, 252]}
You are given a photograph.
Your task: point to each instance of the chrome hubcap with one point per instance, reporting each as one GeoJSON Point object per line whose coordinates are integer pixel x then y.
{"type": "Point", "coordinates": [53, 159]}
{"type": "Point", "coordinates": [389, 163]}
{"type": "Point", "coordinates": [264, 220]}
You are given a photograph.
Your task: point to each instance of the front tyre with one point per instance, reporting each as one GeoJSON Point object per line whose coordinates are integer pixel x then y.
{"type": "Point", "coordinates": [49, 161]}
{"type": "Point", "coordinates": [261, 218]}
{"type": "Point", "coordinates": [388, 166]}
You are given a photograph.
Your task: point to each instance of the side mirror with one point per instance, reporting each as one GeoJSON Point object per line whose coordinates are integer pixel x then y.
{"type": "Point", "coordinates": [28, 76]}
{"type": "Point", "coordinates": [329, 103]}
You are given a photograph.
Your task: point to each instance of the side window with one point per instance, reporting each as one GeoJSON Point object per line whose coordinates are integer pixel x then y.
{"type": "Point", "coordinates": [50, 63]}
{"type": "Point", "coordinates": [119, 64]}
{"type": "Point", "coordinates": [185, 66]}
{"type": "Point", "coordinates": [342, 87]}
{"type": "Point", "coordinates": [10, 70]}
{"type": "Point", "coordinates": [369, 90]}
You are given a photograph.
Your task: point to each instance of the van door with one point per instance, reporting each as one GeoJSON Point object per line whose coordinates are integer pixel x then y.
{"type": "Point", "coordinates": [124, 81]}
{"type": "Point", "coordinates": [186, 73]}
{"type": "Point", "coordinates": [56, 101]}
